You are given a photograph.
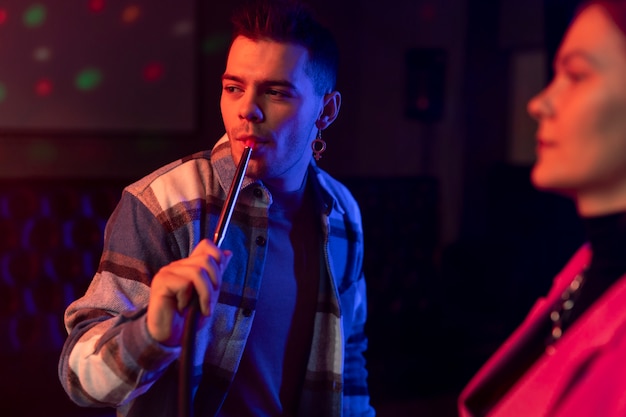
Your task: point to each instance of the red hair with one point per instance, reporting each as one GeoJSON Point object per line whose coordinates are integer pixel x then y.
{"type": "Point", "coordinates": [615, 9]}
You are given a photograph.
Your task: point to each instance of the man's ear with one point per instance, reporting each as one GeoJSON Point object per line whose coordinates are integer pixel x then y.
{"type": "Point", "coordinates": [332, 103]}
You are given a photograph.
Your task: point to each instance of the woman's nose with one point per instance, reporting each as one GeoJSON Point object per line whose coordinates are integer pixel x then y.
{"type": "Point", "coordinates": [539, 106]}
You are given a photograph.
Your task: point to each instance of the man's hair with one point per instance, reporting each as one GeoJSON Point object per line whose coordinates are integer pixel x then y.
{"type": "Point", "coordinates": [291, 21]}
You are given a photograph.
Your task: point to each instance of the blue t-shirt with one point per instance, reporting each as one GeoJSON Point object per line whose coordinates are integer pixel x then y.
{"type": "Point", "coordinates": [271, 372]}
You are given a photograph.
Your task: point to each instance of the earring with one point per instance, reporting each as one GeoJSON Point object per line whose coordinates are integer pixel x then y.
{"type": "Point", "coordinates": [318, 146]}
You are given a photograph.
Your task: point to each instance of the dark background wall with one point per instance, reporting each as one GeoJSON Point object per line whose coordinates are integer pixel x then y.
{"type": "Point", "coordinates": [431, 89]}
{"type": "Point", "coordinates": [491, 57]}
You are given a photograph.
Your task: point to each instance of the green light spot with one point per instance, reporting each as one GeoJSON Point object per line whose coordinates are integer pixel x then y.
{"type": "Point", "coordinates": [42, 151]}
{"type": "Point", "coordinates": [88, 79]}
{"type": "Point", "coordinates": [35, 15]}
{"type": "Point", "coordinates": [3, 92]}
{"type": "Point", "coordinates": [215, 43]}
{"type": "Point", "coordinates": [149, 145]}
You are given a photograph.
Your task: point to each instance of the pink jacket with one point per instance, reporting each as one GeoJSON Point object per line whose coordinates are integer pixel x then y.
{"type": "Point", "coordinates": [585, 376]}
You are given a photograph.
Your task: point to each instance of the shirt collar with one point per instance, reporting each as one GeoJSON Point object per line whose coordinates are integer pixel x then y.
{"type": "Point", "coordinates": [222, 160]}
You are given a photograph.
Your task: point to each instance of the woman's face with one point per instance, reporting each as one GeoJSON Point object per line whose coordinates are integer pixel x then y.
{"type": "Point", "coordinates": [581, 137]}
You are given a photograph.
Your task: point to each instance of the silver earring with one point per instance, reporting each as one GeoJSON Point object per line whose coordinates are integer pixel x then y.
{"type": "Point", "coordinates": [318, 146]}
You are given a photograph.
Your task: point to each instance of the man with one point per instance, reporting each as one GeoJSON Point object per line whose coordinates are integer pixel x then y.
{"type": "Point", "coordinates": [283, 304]}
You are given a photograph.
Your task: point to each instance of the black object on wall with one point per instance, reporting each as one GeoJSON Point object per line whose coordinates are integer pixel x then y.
{"type": "Point", "coordinates": [425, 68]}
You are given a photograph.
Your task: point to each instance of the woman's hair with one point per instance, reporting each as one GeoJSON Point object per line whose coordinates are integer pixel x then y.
{"type": "Point", "coordinates": [290, 21]}
{"type": "Point", "coordinates": [615, 9]}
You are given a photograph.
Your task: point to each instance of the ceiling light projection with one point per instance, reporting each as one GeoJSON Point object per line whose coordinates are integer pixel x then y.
{"type": "Point", "coordinates": [35, 15]}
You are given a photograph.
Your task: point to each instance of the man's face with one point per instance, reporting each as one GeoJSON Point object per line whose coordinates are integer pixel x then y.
{"type": "Point", "coordinates": [267, 98]}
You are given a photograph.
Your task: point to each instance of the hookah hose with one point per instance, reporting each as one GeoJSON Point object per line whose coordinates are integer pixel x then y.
{"type": "Point", "coordinates": [185, 390]}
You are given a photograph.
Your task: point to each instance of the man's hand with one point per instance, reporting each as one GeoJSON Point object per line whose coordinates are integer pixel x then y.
{"type": "Point", "coordinates": [173, 286]}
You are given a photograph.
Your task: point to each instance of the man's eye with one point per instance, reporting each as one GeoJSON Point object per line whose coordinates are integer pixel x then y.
{"type": "Point", "coordinates": [231, 89]}
{"type": "Point", "coordinates": [276, 93]}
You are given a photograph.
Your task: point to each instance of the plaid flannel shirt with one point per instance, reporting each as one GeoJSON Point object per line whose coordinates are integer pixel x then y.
{"type": "Point", "coordinates": [109, 358]}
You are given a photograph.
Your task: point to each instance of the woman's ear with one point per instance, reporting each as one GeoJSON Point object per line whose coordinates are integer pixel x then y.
{"type": "Point", "coordinates": [332, 103]}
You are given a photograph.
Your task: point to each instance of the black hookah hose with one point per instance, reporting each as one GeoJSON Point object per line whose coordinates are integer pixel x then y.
{"type": "Point", "coordinates": [185, 388]}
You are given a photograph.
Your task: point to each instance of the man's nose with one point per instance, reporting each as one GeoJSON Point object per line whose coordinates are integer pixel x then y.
{"type": "Point", "coordinates": [250, 109]}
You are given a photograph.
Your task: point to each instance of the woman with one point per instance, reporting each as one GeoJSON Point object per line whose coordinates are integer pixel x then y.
{"type": "Point", "coordinates": [568, 358]}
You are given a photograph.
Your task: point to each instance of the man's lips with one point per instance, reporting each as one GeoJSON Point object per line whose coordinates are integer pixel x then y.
{"type": "Point", "coordinates": [251, 141]}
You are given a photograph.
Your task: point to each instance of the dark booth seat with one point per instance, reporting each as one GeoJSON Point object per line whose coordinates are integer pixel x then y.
{"type": "Point", "coordinates": [51, 233]}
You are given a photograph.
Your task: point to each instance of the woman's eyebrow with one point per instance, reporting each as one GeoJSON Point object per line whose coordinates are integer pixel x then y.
{"type": "Point", "coordinates": [563, 59]}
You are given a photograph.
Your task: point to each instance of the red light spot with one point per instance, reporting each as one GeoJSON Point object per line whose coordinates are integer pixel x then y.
{"type": "Point", "coordinates": [422, 103]}
{"type": "Point", "coordinates": [153, 71]}
{"type": "Point", "coordinates": [427, 12]}
{"type": "Point", "coordinates": [3, 16]}
{"type": "Point", "coordinates": [43, 87]}
{"type": "Point", "coordinates": [96, 6]}
{"type": "Point", "coordinates": [131, 14]}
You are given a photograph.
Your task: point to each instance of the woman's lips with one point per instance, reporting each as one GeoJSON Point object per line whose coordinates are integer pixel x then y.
{"type": "Point", "coordinates": [545, 143]}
